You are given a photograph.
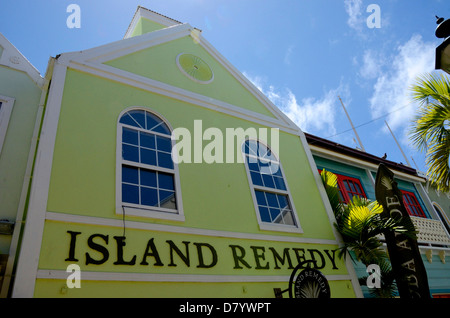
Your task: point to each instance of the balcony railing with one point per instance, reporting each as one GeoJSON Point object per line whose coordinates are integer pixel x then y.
{"type": "Point", "coordinates": [430, 232]}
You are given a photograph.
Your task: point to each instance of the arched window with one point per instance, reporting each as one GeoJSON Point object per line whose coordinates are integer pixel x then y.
{"type": "Point", "coordinates": [273, 204]}
{"type": "Point", "coordinates": [148, 182]}
{"type": "Point", "coordinates": [441, 214]}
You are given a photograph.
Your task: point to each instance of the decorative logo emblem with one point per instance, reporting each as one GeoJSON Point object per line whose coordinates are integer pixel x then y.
{"type": "Point", "coordinates": [195, 68]}
{"type": "Point", "coordinates": [311, 283]}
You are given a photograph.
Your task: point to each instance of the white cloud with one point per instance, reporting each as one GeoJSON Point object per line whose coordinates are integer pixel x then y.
{"type": "Point", "coordinates": [372, 64]}
{"type": "Point", "coordinates": [355, 18]}
{"type": "Point", "coordinates": [316, 116]}
{"type": "Point", "coordinates": [288, 54]}
{"type": "Point", "coordinates": [392, 87]}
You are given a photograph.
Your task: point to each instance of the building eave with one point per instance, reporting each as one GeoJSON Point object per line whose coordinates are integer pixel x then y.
{"type": "Point", "coordinates": [317, 143]}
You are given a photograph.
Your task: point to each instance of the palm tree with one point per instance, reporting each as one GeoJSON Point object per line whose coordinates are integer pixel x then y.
{"type": "Point", "coordinates": [360, 223]}
{"type": "Point", "coordinates": [430, 132]}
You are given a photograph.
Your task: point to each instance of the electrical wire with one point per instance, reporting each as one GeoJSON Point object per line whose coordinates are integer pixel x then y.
{"type": "Point", "coordinates": [370, 121]}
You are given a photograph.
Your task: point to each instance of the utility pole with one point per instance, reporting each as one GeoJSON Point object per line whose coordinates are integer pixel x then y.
{"type": "Point", "coordinates": [354, 130]}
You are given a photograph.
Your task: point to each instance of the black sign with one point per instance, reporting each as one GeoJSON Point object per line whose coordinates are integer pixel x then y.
{"type": "Point", "coordinates": [311, 283]}
{"type": "Point", "coordinates": [407, 264]}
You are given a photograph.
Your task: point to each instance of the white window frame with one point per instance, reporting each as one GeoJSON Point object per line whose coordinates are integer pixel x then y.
{"type": "Point", "coordinates": [138, 210]}
{"type": "Point", "coordinates": [266, 225]}
{"type": "Point", "coordinates": [6, 108]}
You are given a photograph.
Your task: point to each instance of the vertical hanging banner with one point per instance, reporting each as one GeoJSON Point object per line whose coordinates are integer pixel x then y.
{"type": "Point", "coordinates": [407, 264]}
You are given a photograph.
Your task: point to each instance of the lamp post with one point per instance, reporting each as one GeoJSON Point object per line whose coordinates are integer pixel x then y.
{"type": "Point", "coordinates": [443, 50]}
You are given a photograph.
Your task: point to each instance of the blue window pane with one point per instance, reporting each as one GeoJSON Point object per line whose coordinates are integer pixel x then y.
{"type": "Point", "coordinates": [147, 140]}
{"type": "Point", "coordinates": [164, 144]}
{"type": "Point", "coordinates": [165, 160]}
{"type": "Point", "coordinates": [264, 214]}
{"type": "Point", "coordinates": [162, 128]}
{"type": "Point", "coordinates": [127, 120]}
{"type": "Point", "coordinates": [274, 214]}
{"type": "Point", "coordinates": [130, 153]}
{"type": "Point", "coordinates": [268, 181]}
{"type": "Point", "coordinates": [275, 169]}
{"type": "Point", "coordinates": [148, 157]}
{"type": "Point", "coordinates": [152, 121]}
{"type": "Point", "coordinates": [260, 198]}
{"type": "Point", "coordinates": [139, 117]}
{"type": "Point", "coordinates": [130, 175]}
{"type": "Point", "coordinates": [130, 193]}
{"type": "Point", "coordinates": [282, 200]}
{"type": "Point", "coordinates": [279, 183]}
{"type": "Point", "coordinates": [148, 178]}
{"type": "Point", "coordinates": [253, 166]}
{"type": "Point", "coordinates": [251, 147]}
{"type": "Point", "coordinates": [130, 136]}
{"type": "Point", "coordinates": [272, 200]}
{"type": "Point", "coordinates": [256, 178]}
{"type": "Point", "coordinates": [149, 197]}
{"type": "Point", "coordinates": [165, 181]}
{"type": "Point", "coordinates": [167, 199]}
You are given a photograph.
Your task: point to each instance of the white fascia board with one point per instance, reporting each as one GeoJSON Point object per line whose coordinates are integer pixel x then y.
{"type": "Point", "coordinates": [93, 60]}
{"type": "Point", "coordinates": [12, 58]}
{"type": "Point", "coordinates": [328, 154]}
{"type": "Point", "coordinates": [245, 82]}
{"type": "Point", "coordinates": [113, 50]}
{"type": "Point", "coordinates": [150, 15]}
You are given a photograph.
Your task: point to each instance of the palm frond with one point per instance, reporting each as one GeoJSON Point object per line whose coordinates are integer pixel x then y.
{"type": "Point", "coordinates": [429, 132]}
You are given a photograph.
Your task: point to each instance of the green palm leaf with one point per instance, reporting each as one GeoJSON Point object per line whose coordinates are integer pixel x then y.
{"type": "Point", "coordinates": [430, 130]}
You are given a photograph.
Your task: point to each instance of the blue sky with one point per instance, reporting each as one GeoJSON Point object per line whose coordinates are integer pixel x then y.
{"type": "Point", "coordinates": [302, 54]}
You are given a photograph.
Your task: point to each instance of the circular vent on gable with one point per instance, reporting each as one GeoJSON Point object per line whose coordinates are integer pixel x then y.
{"type": "Point", "coordinates": [195, 68]}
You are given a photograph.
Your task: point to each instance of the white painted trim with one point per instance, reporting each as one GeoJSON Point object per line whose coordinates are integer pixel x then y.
{"type": "Point", "coordinates": [116, 49]}
{"type": "Point", "coordinates": [185, 278]}
{"type": "Point", "coordinates": [135, 44]}
{"type": "Point", "coordinates": [180, 94]}
{"type": "Point", "coordinates": [12, 58]}
{"type": "Point", "coordinates": [351, 270]}
{"type": "Point", "coordinates": [147, 212]}
{"type": "Point", "coordinates": [34, 227]}
{"type": "Point", "coordinates": [265, 225]}
{"type": "Point", "coordinates": [93, 58]}
{"type": "Point", "coordinates": [441, 216]}
{"type": "Point", "coordinates": [69, 218]}
{"type": "Point", "coordinates": [7, 104]}
{"type": "Point", "coordinates": [331, 155]}
{"type": "Point", "coordinates": [26, 182]}
{"type": "Point", "coordinates": [142, 12]}
{"type": "Point", "coordinates": [420, 191]}
{"type": "Point", "coordinates": [247, 84]}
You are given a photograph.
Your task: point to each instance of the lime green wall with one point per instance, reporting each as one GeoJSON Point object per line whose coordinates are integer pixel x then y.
{"type": "Point", "coordinates": [16, 147]}
{"type": "Point", "coordinates": [83, 173]}
{"type": "Point", "coordinates": [94, 289]}
{"type": "Point", "coordinates": [160, 64]}
{"type": "Point", "coordinates": [145, 25]}
{"type": "Point", "coordinates": [215, 197]}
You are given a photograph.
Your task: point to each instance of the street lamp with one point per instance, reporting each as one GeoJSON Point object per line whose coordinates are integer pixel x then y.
{"type": "Point", "coordinates": [443, 50]}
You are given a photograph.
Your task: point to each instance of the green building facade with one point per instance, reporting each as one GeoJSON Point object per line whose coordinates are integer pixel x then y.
{"type": "Point", "coordinates": [112, 211]}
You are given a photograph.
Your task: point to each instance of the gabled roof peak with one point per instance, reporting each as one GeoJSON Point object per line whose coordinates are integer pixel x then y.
{"type": "Point", "coordinates": [150, 15]}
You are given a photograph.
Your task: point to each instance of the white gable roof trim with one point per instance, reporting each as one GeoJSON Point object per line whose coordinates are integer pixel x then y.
{"type": "Point", "coordinates": [12, 58]}
{"type": "Point", "coordinates": [142, 12]}
{"type": "Point", "coordinates": [92, 60]}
